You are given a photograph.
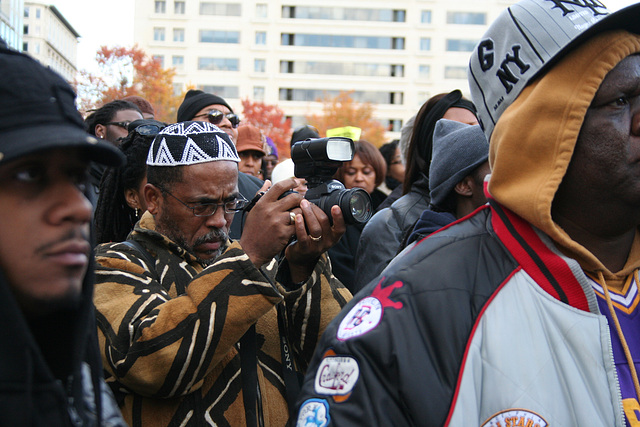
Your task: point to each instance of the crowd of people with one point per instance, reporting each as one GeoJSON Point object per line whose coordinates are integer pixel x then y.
{"type": "Point", "coordinates": [157, 274]}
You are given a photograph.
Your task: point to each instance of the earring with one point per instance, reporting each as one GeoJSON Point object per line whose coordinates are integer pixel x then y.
{"type": "Point", "coordinates": [137, 213]}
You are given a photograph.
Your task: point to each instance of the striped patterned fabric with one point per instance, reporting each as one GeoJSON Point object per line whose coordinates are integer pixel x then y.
{"type": "Point", "coordinates": [168, 333]}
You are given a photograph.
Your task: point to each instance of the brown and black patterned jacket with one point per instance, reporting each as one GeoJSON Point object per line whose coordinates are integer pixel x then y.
{"type": "Point", "coordinates": [168, 333]}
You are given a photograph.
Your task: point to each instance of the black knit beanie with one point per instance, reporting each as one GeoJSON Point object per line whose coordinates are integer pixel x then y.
{"type": "Point", "coordinates": [195, 100]}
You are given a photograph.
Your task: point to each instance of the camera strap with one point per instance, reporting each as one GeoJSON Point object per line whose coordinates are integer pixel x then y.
{"type": "Point", "coordinates": [249, 375]}
{"type": "Point", "coordinates": [292, 378]}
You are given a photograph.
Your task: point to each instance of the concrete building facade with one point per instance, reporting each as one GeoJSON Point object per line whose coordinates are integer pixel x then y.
{"type": "Point", "coordinates": [49, 38]}
{"type": "Point", "coordinates": [293, 53]}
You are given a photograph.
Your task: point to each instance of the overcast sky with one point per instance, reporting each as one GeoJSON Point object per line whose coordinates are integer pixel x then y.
{"type": "Point", "coordinates": [111, 23]}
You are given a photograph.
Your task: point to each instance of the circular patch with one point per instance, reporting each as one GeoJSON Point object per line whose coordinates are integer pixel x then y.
{"type": "Point", "coordinates": [362, 318]}
{"type": "Point", "coordinates": [515, 417]}
{"type": "Point", "coordinates": [313, 412]}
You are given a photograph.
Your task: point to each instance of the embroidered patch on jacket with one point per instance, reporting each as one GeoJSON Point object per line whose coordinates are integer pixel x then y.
{"type": "Point", "coordinates": [314, 412]}
{"type": "Point", "coordinates": [366, 314]}
{"type": "Point", "coordinates": [336, 376]}
{"type": "Point", "coordinates": [514, 418]}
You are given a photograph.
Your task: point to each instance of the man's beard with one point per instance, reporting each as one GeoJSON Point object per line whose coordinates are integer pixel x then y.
{"type": "Point", "coordinates": [171, 230]}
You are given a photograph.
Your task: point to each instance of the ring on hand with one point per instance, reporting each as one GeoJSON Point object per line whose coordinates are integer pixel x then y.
{"type": "Point", "coordinates": [315, 239]}
{"type": "Point", "coordinates": [292, 218]}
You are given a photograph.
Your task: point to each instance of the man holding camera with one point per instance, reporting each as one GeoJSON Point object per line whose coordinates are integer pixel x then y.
{"type": "Point", "coordinates": [196, 329]}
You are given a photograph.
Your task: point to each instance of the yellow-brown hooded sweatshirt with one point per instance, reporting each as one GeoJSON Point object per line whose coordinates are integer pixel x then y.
{"type": "Point", "coordinates": [532, 143]}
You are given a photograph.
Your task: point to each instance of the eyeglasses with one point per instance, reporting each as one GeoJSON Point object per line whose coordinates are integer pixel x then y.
{"type": "Point", "coordinates": [123, 125]}
{"type": "Point", "coordinates": [215, 117]}
{"type": "Point", "coordinates": [148, 130]}
{"type": "Point", "coordinates": [208, 209]}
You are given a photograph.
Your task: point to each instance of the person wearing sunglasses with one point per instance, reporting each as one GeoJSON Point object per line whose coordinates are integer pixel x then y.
{"type": "Point", "coordinates": [110, 123]}
{"type": "Point", "coordinates": [191, 323]}
{"type": "Point", "coordinates": [206, 107]}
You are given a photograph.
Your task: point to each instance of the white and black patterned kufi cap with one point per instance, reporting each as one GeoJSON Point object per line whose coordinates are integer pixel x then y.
{"type": "Point", "coordinates": [189, 143]}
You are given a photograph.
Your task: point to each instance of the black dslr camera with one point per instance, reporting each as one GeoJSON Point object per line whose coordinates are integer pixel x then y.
{"type": "Point", "coordinates": [317, 160]}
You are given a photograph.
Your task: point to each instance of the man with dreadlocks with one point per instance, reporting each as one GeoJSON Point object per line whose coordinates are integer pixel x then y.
{"type": "Point", "coordinates": [195, 329]}
{"type": "Point", "coordinates": [121, 201]}
{"type": "Point", "coordinates": [109, 122]}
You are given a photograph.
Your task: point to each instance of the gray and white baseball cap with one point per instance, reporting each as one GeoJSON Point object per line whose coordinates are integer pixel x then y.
{"type": "Point", "coordinates": [526, 39]}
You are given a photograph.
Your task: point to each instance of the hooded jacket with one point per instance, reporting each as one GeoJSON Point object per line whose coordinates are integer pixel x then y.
{"type": "Point", "coordinates": [500, 318]}
{"type": "Point", "coordinates": [50, 367]}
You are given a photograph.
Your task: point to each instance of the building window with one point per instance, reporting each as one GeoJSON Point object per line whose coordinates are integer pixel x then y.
{"type": "Point", "coordinates": [177, 61]}
{"type": "Point", "coordinates": [160, 59]}
{"type": "Point", "coordinates": [25, 30]}
{"type": "Point", "coordinates": [38, 11]}
{"type": "Point", "coordinates": [424, 71]}
{"type": "Point", "coordinates": [259, 65]}
{"type": "Point", "coordinates": [346, 41]}
{"type": "Point", "coordinates": [397, 71]}
{"type": "Point", "coordinates": [344, 14]}
{"type": "Point", "coordinates": [178, 34]}
{"type": "Point", "coordinates": [161, 6]}
{"type": "Point", "coordinates": [451, 72]}
{"type": "Point", "coordinates": [425, 43]}
{"type": "Point", "coordinates": [373, 97]}
{"type": "Point", "coordinates": [26, 11]}
{"type": "Point", "coordinates": [342, 68]}
{"type": "Point", "coordinates": [213, 36]}
{"type": "Point", "coordinates": [218, 64]}
{"type": "Point", "coordinates": [425, 17]}
{"type": "Point", "coordinates": [455, 45]}
{"type": "Point", "coordinates": [393, 125]}
{"type": "Point", "coordinates": [396, 98]}
{"type": "Point", "coordinates": [158, 34]}
{"type": "Point", "coordinates": [179, 8]}
{"type": "Point", "coordinates": [399, 15]}
{"type": "Point", "coordinates": [261, 10]}
{"type": "Point", "coordinates": [177, 89]}
{"type": "Point", "coordinates": [261, 38]}
{"type": "Point", "coordinates": [467, 18]}
{"type": "Point", "coordinates": [258, 93]}
{"type": "Point", "coordinates": [25, 47]}
{"type": "Point", "coordinates": [226, 92]}
{"type": "Point", "coordinates": [220, 9]}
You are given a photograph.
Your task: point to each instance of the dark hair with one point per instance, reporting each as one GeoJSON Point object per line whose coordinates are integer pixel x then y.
{"type": "Point", "coordinates": [418, 137]}
{"type": "Point", "coordinates": [164, 176]}
{"type": "Point", "coordinates": [114, 219]}
{"type": "Point", "coordinates": [388, 150]}
{"type": "Point", "coordinates": [369, 155]}
{"type": "Point", "coordinates": [106, 113]}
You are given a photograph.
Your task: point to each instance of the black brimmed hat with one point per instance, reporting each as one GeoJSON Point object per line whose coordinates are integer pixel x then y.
{"type": "Point", "coordinates": [38, 112]}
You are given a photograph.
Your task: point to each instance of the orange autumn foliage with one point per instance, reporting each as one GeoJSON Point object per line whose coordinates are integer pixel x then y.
{"type": "Point", "coordinates": [271, 120]}
{"type": "Point", "coordinates": [124, 72]}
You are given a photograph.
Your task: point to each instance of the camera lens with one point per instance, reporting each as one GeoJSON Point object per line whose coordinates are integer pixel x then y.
{"type": "Point", "coordinates": [355, 203]}
{"type": "Point", "coordinates": [359, 204]}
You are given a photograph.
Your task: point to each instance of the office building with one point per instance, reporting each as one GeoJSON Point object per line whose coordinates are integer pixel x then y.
{"type": "Point", "coordinates": [292, 53]}
{"type": "Point", "coordinates": [50, 39]}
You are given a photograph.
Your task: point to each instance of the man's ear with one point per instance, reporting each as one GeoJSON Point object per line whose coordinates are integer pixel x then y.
{"type": "Point", "coordinates": [153, 198]}
{"type": "Point", "coordinates": [465, 187]}
{"type": "Point", "coordinates": [101, 131]}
